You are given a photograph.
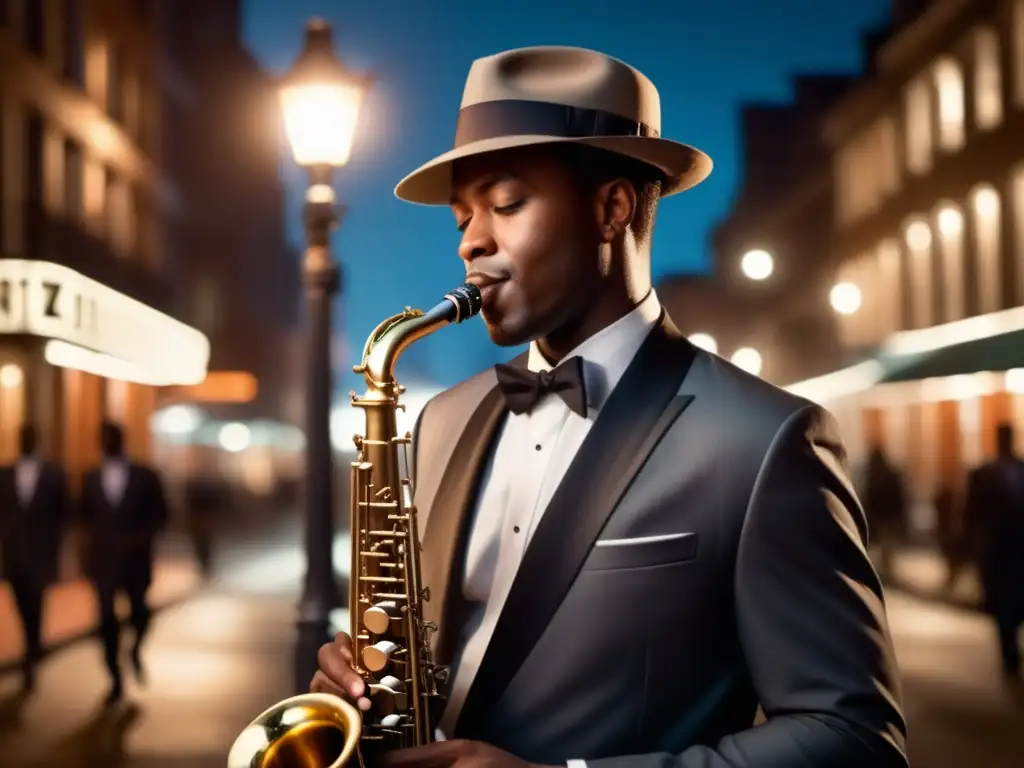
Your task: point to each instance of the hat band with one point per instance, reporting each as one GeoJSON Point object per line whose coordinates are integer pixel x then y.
{"type": "Point", "coordinates": [512, 117]}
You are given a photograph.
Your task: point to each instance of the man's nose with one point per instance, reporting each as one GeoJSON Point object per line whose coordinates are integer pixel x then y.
{"type": "Point", "coordinates": [477, 242]}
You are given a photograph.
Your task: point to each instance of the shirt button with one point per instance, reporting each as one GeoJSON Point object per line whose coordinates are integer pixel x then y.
{"type": "Point", "coordinates": [537, 447]}
{"type": "Point", "coordinates": [515, 529]}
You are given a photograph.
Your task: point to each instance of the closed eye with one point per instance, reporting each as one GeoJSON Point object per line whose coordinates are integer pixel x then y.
{"type": "Point", "coordinates": [510, 208]}
{"type": "Point", "coordinates": [461, 226]}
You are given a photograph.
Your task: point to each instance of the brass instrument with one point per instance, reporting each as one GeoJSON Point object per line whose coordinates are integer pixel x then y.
{"type": "Point", "coordinates": [390, 638]}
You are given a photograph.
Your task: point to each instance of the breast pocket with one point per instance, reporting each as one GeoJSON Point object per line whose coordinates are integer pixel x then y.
{"type": "Point", "coordinates": [641, 552]}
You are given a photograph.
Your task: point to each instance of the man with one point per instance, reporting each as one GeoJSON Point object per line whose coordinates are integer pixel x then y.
{"type": "Point", "coordinates": [995, 515]}
{"type": "Point", "coordinates": [123, 507]}
{"type": "Point", "coordinates": [629, 543]}
{"type": "Point", "coordinates": [885, 505]}
{"type": "Point", "coordinates": [33, 507]}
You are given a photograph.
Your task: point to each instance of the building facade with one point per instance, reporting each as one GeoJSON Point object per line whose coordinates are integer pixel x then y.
{"type": "Point", "coordinates": [86, 319]}
{"type": "Point", "coordinates": [776, 321]}
{"type": "Point", "coordinates": [929, 202]}
{"type": "Point", "coordinates": [238, 277]}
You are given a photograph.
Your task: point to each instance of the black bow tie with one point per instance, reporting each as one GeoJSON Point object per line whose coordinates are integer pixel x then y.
{"type": "Point", "coordinates": [523, 389]}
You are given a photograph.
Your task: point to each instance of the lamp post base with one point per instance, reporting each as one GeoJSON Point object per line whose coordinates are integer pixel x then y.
{"type": "Point", "coordinates": [312, 632]}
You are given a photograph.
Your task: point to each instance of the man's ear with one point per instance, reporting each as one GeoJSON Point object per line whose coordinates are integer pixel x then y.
{"type": "Point", "coordinates": [615, 208]}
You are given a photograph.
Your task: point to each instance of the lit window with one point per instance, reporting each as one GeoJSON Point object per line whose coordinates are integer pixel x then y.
{"type": "Point", "coordinates": [890, 288]}
{"type": "Point", "coordinates": [919, 247]}
{"type": "Point", "coordinates": [949, 83]}
{"type": "Point", "coordinates": [1018, 248]}
{"type": "Point", "coordinates": [918, 122]}
{"type": "Point", "coordinates": [847, 200]}
{"type": "Point", "coordinates": [1018, 54]}
{"type": "Point", "coordinates": [988, 81]}
{"type": "Point", "coordinates": [855, 300]}
{"type": "Point", "coordinates": [889, 177]}
{"type": "Point", "coordinates": [986, 209]}
{"type": "Point", "coordinates": [950, 222]}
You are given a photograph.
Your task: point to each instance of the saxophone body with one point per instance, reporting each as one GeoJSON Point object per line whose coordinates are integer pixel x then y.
{"type": "Point", "coordinates": [390, 638]}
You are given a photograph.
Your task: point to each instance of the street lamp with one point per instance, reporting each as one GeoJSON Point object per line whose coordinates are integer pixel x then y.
{"type": "Point", "coordinates": [757, 264]}
{"type": "Point", "coordinates": [320, 99]}
{"type": "Point", "coordinates": [749, 359]}
{"type": "Point", "coordinates": [705, 341]}
{"type": "Point", "coordinates": [845, 298]}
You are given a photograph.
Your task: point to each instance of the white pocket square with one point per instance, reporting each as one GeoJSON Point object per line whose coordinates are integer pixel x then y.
{"type": "Point", "coordinates": [641, 540]}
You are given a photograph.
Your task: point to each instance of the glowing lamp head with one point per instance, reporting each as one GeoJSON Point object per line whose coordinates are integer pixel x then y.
{"type": "Point", "coordinates": [321, 100]}
{"type": "Point", "coordinates": [757, 264]}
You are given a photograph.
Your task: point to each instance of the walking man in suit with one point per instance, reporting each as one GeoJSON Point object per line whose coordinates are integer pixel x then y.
{"type": "Point", "coordinates": [995, 514]}
{"type": "Point", "coordinates": [629, 543]}
{"type": "Point", "coordinates": [33, 510]}
{"type": "Point", "coordinates": [124, 508]}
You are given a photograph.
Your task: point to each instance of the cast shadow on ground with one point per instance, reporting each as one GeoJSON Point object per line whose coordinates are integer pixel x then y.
{"type": "Point", "coordinates": [10, 710]}
{"type": "Point", "coordinates": [100, 741]}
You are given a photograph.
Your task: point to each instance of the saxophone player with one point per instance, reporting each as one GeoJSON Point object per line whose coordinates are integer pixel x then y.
{"type": "Point", "coordinates": [629, 543]}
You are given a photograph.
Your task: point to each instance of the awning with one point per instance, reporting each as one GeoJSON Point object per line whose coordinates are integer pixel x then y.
{"type": "Point", "coordinates": [995, 353]}
{"type": "Point", "coordinates": [985, 343]}
{"type": "Point", "coordinates": [92, 327]}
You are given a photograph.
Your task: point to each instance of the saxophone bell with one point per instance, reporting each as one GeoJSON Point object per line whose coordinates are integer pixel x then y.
{"type": "Point", "coordinates": [315, 729]}
{"type": "Point", "coordinates": [390, 636]}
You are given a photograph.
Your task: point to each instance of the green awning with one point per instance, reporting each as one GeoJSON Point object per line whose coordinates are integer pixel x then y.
{"type": "Point", "coordinates": [993, 353]}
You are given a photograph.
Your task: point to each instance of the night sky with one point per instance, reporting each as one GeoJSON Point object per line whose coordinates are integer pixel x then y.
{"type": "Point", "coordinates": [705, 56]}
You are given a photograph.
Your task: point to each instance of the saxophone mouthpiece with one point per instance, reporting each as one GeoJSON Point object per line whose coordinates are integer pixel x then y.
{"type": "Point", "coordinates": [465, 302]}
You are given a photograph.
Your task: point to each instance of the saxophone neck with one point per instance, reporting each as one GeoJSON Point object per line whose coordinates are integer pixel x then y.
{"type": "Point", "coordinates": [390, 338]}
{"type": "Point", "coordinates": [387, 343]}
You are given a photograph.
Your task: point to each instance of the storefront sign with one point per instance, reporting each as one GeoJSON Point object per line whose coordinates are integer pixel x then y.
{"type": "Point", "coordinates": [54, 302]}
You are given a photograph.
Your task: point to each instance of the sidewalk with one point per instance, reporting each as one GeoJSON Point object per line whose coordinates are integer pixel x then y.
{"type": "Point", "coordinates": [921, 571]}
{"type": "Point", "coordinates": [260, 554]}
{"type": "Point", "coordinates": [213, 662]}
{"type": "Point", "coordinates": [70, 611]}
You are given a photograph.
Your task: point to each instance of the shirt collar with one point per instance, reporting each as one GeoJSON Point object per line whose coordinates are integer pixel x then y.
{"type": "Point", "coordinates": [607, 353]}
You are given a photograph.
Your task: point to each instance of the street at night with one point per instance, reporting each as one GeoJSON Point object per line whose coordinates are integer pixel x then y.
{"type": "Point", "coordinates": [217, 659]}
{"type": "Point", "coordinates": [609, 331]}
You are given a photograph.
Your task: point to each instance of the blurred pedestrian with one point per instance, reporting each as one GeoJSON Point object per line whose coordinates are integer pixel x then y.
{"type": "Point", "coordinates": [995, 513]}
{"type": "Point", "coordinates": [33, 510]}
{"type": "Point", "coordinates": [948, 533]}
{"type": "Point", "coordinates": [885, 506]}
{"type": "Point", "coordinates": [124, 508]}
{"type": "Point", "coordinates": [204, 500]}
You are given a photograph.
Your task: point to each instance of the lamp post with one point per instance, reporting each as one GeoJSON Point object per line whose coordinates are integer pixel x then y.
{"type": "Point", "coordinates": [320, 99]}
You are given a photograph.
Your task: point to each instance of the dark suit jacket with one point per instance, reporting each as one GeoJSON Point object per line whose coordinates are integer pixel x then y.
{"type": "Point", "coordinates": [31, 536]}
{"type": "Point", "coordinates": [631, 651]}
{"type": "Point", "coordinates": [995, 516]}
{"type": "Point", "coordinates": [121, 537]}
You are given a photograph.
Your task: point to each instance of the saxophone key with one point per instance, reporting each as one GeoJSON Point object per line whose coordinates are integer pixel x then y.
{"type": "Point", "coordinates": [377, 656]}
{"type": "Point", "coordinates": [382, 617]}
{"type": "Point", "coordinates": [389, 696]}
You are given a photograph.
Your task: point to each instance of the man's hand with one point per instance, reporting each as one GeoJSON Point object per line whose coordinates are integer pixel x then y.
{"type": "Point", "coordinates": [457, 753]}
{"type": "Point", "coordinates": [336, 675]}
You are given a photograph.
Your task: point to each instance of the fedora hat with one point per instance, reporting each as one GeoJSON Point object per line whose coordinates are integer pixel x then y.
{"type": "Point", "coordinates": [553, 94]}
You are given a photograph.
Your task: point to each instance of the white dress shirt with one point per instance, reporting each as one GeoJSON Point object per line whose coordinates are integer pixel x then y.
{"type": "Point", "coordinates": [26, 477]}
{"type": "Point", "coordinates": [532, 454]}
{"type": "Point", "coordinates": [114, 478]}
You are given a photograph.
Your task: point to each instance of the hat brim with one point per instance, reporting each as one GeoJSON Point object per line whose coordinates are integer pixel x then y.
{"type": "Point", "coordinates": [683, 166]}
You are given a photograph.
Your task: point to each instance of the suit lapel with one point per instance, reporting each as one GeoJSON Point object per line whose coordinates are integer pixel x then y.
{"type": "Point", "coordinates": [636, 415]}
{"type": "Point", "coordinates": [447, 524]}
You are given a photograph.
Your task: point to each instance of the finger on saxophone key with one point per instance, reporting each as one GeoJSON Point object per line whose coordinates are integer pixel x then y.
{"type": "Point", "coordinates": [336, 675]}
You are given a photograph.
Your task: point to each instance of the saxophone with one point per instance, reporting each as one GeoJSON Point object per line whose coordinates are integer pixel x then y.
{"type": "Point", "coordinates": [390, 638]}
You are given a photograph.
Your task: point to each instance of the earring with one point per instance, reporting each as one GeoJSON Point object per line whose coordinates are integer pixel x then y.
{"type": "Point", "coordinates": [604, 258]}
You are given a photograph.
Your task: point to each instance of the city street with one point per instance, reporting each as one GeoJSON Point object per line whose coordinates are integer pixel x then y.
{"type": "Point", "coordinates": [219, 658]}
